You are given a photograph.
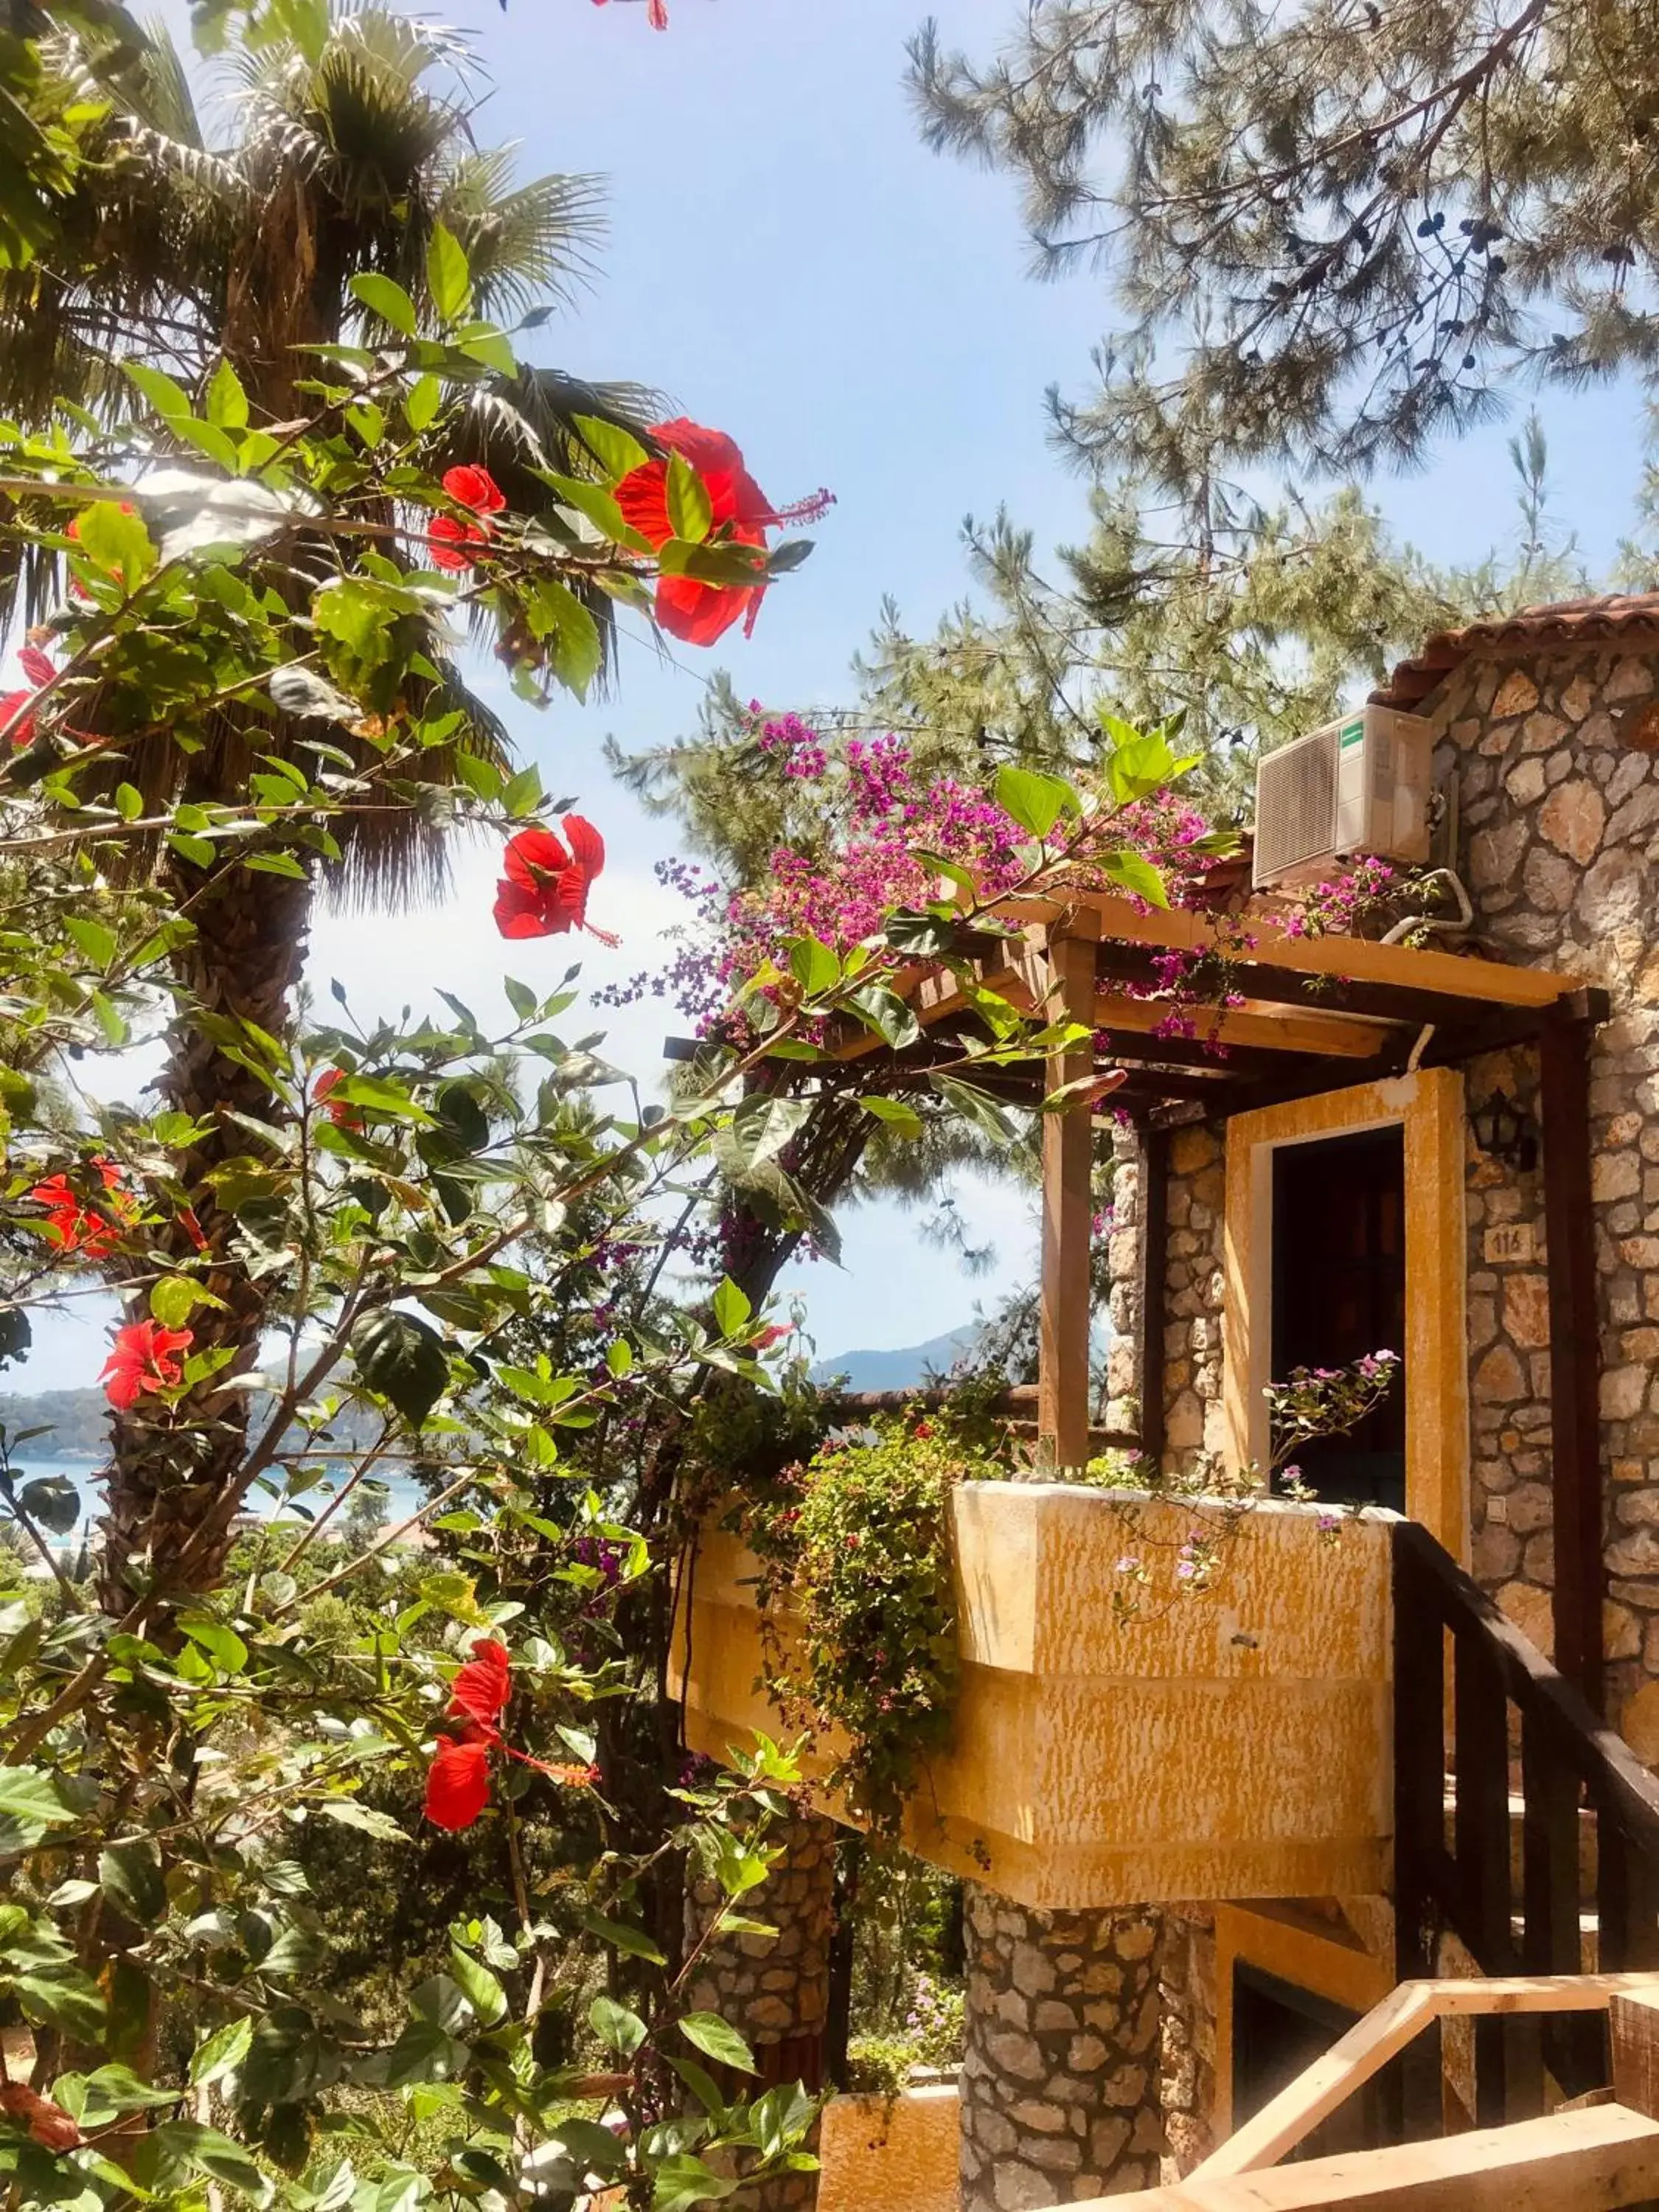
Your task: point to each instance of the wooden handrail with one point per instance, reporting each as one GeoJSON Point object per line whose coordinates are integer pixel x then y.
{"type": "Point", "coordinates": [1291, 2117]}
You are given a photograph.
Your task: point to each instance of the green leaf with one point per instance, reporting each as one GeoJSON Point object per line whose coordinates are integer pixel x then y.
{"type": "Point", "coordinates": [403, 1359]}
{"type": "Point", "coordinates": [222, 2052]}
{"type": "Point", "coordinates": [1035, 802]}
{"type": "Point", "coordinates": [894, 1111]}
{"type": "Point", "coordinates": [276, 864]}
{"type": "Point", "coordinates": [483, 1991]}
{"type": "Point", "coordinates": [617, 2028]}
{"type": "Point", "coordinates": [578, 650]}
{"type": "Point", "coordinates": [351, 1813]}
{"type": "Point", "coordinates": [718, 2040]}
{"type": "Point", "coordinates": [524, 793]}
{"type": "Point", "coordinates": [701, 2084]}
{"type": "Point", "coordinates": [52, 1501]}
{"type": "Point", "coordinates": [885, 1012]}
{"type": "Point", "coordinates": [448, 281]}
{"type": "Point", "coordinates": [618, 451]}
{"type": "Point", "coordinates": [619, 1357]}
{"type": "Point", "coordinates": [731, 1308]}
{"type": "Point", "coordinates": [227, 401]}
{"type": "Point", "coordinates": [424, 398]}
{"type": "Point", "coordinates": [221, 1643]}
{"type": "Point", "coordinates": [31, 1798]}
{"type": "Point", "coordinates": [131, 1874]}
{"type": "Point", "coordinates": [116, 542]}
{"type": "Point", "coordinates": [1134, 873]}
{"type": "Point", "coordinates": [393, 305]}
{"type": "Point", "coordinates": [166, 396]}
{"type": "Point", "coordinates": [975, 1106]}
{"type": "Point", "coordinates": [98, 943]}
{"type": "Point", "coordinates": [763, 1126]}
{"type": "Point", "coordinates": [128, 802]}
{"type": "Point", "coordinates": [217, 2156]}
{"type": "Point", "coordinates": [622, 1937]}
{"type": "Point", "coordinates": [814, 965]}
{"type": "Point", "coordinates": [172, 1301]}
{"type": "Point", "coordinates": [690, 511]}
{"type": "Point", "coordinates": [1138, 765]}
{"type": "Point", "coordinates": [682, 2180]}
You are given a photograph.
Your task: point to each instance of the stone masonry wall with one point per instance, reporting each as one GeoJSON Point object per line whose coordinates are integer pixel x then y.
{"type": "Point", "coordinates": [1186, 1979]}
{"type": "Point", "coordinates": [1557, 764]}
{"type": "Point", "coordinates": [1191, 1376]}
{"type": "Point", "coordinates": [774, 1990]}
{"type": "Point", "coordinates": [1062, 2055]}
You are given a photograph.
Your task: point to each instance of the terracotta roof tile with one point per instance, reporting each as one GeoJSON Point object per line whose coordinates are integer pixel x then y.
{"type": "Point", "coordinates": [1628, 616]}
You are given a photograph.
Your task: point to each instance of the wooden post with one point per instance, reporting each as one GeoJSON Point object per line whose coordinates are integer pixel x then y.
{"type": "Point", "coordinates": [1068, 1216]}
{"type": "Point", "coordinates": [1575, 1353]}
{"type": "Point", "coordinates": [1154, 1274]}
{"type": "Point", "coordinates": [1633, 2030]}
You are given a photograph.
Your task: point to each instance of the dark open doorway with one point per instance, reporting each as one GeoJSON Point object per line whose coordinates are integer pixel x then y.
{"type": "Point", "coordinates": [1278, 2030]}
{"type": "Point", "coordinates": [1339, 1291]}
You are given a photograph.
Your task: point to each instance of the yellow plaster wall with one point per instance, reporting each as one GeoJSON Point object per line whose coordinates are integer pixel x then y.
{"type": "Point", "coordinates": [1233, 1744]}
{"type": "Point", "coordinates": [1429, 1106]}
{"type": "Point", "coordinates": [901, 2156]}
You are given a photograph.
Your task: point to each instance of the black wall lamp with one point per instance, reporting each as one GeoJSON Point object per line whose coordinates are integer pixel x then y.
{"type": "Point", "coordinates": [1505, 1131]}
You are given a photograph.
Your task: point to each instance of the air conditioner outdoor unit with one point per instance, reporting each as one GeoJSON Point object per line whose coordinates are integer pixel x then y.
{"type": "Point", "coordinates": [1361, 785]}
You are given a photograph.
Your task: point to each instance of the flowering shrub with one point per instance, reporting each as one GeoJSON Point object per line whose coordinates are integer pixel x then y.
{"type": "Point", "coordinates": [855, 1543]}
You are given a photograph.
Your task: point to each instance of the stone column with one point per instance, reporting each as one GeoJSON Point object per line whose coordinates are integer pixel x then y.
{"type": "Point", "coordinates": [1059, 2070]}
{"type": "Point", "coordinates": [1188, 1991]}
{"type": "Point", "coordinates": [774, 1990]}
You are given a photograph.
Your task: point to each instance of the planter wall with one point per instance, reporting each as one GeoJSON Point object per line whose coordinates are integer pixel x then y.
{"type": "Point", "coordinates": [1234, 1743]}
{"type": "Point", "coordinates": [898, 2155]}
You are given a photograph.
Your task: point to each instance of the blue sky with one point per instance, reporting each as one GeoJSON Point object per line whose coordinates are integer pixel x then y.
{"type": "Point", "coordinates": [786, 261]}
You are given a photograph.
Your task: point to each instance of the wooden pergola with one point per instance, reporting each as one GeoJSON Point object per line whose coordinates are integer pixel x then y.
{"type": "Point", "coordinates": [1305, 1015]}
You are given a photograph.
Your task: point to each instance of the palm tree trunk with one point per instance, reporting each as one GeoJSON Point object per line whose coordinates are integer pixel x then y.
{"type": "Point", "coordinates": [165, 1478]}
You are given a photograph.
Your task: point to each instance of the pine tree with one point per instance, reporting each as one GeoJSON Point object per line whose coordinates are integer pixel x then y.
{"type": "Point", "coordinates": [1332, 231]}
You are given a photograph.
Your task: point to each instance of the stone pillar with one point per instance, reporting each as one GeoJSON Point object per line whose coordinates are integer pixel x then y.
{"type": "Point", "coordinates": [1060, 2060]}
{"type": "Point", "coordinates": [1188, 1991]}
{"type": "Point", "coordinates": [774, 1990]}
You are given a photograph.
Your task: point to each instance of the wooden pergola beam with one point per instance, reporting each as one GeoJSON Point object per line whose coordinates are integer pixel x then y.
{"type": "Point", "coordinates": [1067, 1224]}
{"type": "Point", "coordinates": [1104, 916]}
{"type": "Point", "coordinates": [1335, 1037]}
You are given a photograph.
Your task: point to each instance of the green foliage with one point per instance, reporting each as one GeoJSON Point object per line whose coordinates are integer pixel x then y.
{"type": "Point", "coordinates": [856, 1546]}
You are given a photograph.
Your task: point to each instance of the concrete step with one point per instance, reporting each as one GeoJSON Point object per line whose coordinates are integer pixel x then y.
{"type": "Point", "coordinates": [1517, 1820]}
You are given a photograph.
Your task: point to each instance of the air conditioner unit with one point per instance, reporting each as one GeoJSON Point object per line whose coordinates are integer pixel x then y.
{"type": "Point", "coordinates": [1362, 785]}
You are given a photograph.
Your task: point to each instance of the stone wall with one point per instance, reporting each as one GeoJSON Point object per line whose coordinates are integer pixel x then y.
{"type": "Point", "coordinates": [1557, 766]}
{"type": "Point", "coordinates": [1186, 1981]}
{"type": "Point", "coordinates": [1059, 2080]}
{"type": "Point", "coordinates": [774, 1990]}
{"type": "Point", "coordinates": [1191, 1376]}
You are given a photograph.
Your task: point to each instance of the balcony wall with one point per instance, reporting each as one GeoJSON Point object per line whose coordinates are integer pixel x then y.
{"type": "Point", "coordinates": [1234, 1743]}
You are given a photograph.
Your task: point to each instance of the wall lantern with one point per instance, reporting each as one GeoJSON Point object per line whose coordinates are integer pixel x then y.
{"type": "Point", "coordinates": [1505, 1131]}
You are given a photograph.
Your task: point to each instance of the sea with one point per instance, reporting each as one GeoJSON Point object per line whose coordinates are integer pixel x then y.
{"type": "Point", "coordinates": [402, 1497]}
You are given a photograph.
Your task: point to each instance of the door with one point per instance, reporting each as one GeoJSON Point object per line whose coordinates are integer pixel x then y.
{"type": "Point", "coordinates": [1278, 2031]}
{"type": "Point", "coordinates": [1339, 1291]}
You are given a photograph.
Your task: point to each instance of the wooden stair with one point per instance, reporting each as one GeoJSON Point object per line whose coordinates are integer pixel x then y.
{"type": "Point", "coordinates": [1600, 2151]}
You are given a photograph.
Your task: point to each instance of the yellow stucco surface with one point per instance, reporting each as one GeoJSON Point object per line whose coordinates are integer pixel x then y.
{"type": "Point", "coordinates": [1229, 1744]}
{"type": "Point", "coordinates": [897, 2156]}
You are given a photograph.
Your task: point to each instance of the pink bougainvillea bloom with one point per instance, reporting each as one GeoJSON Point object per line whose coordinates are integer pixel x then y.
{"type": "Point", "coordinates": [143, 1359]}
{"type": "Point", "coordinates": [543, 892]}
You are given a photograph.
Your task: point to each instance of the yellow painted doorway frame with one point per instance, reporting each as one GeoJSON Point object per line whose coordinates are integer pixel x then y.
{"type": "Point", "coordinates": [1428, 1105]}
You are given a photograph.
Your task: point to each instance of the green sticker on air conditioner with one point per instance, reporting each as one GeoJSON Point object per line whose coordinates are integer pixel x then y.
{"type": "Point", "coordinates": [1353, 733]}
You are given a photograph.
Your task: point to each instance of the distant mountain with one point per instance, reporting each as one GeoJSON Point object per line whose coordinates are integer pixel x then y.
{"type": "Point", "coordinates": [902, 1370]}
{"type": "Point", "coordinates": [78, 1421]}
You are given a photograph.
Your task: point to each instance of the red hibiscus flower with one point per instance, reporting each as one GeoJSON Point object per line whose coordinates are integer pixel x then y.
{"type": "Point", "coordinates": [143, 1359]}
{"type": "Point", "coordinates": [16, 719]}
{"type": "Point", "coordinates": [458, 1780]}
{"type": "Point", "coordinates": [656, 13]}
{"type": "Point", "coordinates": [687, 608]}
{"type": "Point", "coordinates": [448, 537]}
{"type": "Point", "coordinates": [344, 1115]}
{"type": "Point", "coordinates": [543, 892]}
{"type": "Point", "coordinates": [75, 1226]}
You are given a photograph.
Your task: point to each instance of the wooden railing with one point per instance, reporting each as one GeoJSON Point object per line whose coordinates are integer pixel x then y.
{"type": "Point", "coordinates": [1453, 1871]}
{"type": "Point", "coordinates": [1600, 2152]}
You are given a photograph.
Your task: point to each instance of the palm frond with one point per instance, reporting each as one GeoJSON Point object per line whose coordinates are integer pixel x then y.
{"type": "Point", "coordinates": [524, 245]}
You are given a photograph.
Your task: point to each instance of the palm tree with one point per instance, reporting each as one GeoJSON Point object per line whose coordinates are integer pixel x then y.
{"type": "Point", "coordinates": [347, 152]}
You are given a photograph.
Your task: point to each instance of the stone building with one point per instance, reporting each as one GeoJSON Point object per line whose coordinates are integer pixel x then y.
{"type": "Point", "coordinates": [1454, 1152]}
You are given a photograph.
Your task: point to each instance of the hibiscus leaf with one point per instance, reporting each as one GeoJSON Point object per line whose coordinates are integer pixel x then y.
{"type": "Point", "coordinates": [449, 280]}
{"type": "Point", "coordinates": [554, 610]}
{"type": "Point", "coordinates": [731, 1308]}
{"type": "Point", "coordinates": [726, 564]}
{"type": "Point", "coordinates": [894, 1111]}
{"type": "Point", "coordinates": [718, 2040]}
{"type": "Point", "coordinates": [886, 1014]}
{"type": "Point", "coordinates": [618, 451]}
{"type": "Point", "coordinates": [975, 1106]}
{"type": "Point", "coordinates": [622, 1937]}
{"type": "Point", "coordinates": [600, 507]}
{"type": "Point", "coordinates": [1134, 873]}
{"type": "Point", "coordinates": [617, 2028]}
{"type": "Point", "coordinates": [484, 1992]}
{"type": "Point", "coordinates": [683, 2180]}
{"type": "Point", "coordinates": [405, 1360]}
{"type": "Point", "coordinates": [222, 2053]}
{"type": "Point", "coordinates": [393, 305]}
{"type": "Point", "coordinates": [131, 1874]}
{"type": "Point", "coordinates": [1035, 802]}
{"type": "Point", "coordinates": [690, 510]}
{"type": "Point", "coordinates": [53, 1501]}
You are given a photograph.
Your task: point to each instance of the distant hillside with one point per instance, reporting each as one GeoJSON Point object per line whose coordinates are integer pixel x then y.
{"type": "Point", "coordinates": [902, 1370]}
{"type": "Point", "coordinates": [78, 1420]}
